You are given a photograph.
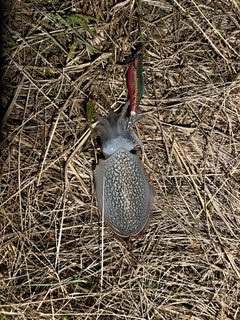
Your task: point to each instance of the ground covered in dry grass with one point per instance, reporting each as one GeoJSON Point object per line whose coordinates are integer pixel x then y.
{"type": "Point", "coordinates": [58, 56]}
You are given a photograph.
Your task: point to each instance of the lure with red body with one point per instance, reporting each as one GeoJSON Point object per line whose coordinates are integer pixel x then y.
{"type": "Point", "coordinates": [135, 81]}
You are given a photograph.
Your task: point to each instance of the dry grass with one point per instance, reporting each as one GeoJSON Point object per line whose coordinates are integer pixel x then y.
{"type": "Point", "coordinates": [57, 56]}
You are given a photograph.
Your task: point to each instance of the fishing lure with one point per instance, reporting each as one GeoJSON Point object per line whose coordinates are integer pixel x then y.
{"type": "Point", "coordinates": [135, 83]}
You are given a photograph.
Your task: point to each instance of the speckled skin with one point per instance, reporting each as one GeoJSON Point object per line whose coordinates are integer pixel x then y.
{"type": "Point", "coordinates": [123, 192]}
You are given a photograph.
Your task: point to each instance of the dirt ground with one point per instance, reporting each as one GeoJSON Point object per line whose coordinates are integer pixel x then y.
{"type": "Point", "coordinates": [59, 60]}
